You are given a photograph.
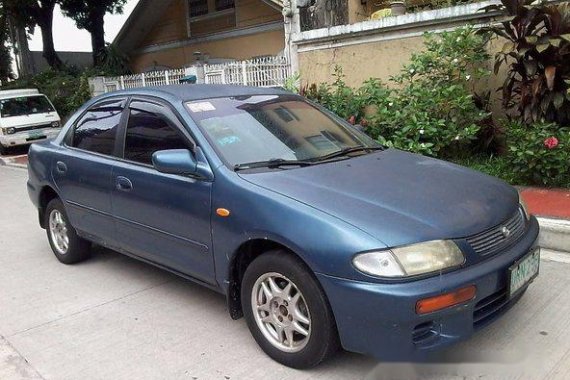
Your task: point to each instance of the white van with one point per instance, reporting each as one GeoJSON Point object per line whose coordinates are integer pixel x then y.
{"type": "Point", "coordinates": [26, 116]}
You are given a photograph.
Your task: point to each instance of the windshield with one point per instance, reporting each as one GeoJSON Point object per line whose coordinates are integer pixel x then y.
{"type": "Point", "coordinates": [25, 105]}
{"type": "Point", "coordinates": [260, 128]}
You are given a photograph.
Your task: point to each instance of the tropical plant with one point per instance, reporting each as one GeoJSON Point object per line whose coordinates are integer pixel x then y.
{"type": "Point", "coordinates": [113, 61]}
{"type": "Point", "coordinates": [537, 55]}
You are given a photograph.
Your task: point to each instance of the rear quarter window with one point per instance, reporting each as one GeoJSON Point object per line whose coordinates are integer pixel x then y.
{"type": "Point", "coordinates": [97, 130]}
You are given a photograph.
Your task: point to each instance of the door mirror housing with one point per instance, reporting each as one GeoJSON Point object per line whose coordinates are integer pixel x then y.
{"type": "Point", "coordinates": [175, 161]}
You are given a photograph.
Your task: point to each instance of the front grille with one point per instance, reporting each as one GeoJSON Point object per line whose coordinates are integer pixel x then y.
{"type": "Point", "coordinates": [33, 127]}
{"type": "Point", "coordinates": [492, 306]}
{"type": "Point", "coordinates": [495, 239]}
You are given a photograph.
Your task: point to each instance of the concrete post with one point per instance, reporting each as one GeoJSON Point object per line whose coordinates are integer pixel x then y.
{"type": "Point", "coordinates": [243, 73]}
{"type": "Point", "coordinates": [198, 70]}
{"type": "Point", "coordinates": [292, 25]}
{"type": "Point", "coordinates": [97, 86]}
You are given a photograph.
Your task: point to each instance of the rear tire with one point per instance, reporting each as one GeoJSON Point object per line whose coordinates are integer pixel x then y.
{"type": "Point", "coordinates": [66, 245]}
{"type": "Point", "coordinates": [287, 312]}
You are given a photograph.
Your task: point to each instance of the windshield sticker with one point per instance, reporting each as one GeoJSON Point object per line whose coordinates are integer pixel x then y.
{"type": "Point", "coordinates": [201, 107]}
{"type": "Point", "coordinates": [228, 140]}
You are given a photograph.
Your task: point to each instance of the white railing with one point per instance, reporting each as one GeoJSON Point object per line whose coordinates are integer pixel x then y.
{"type": "Point", "coordinates": [152, 78]}
{"type": "Point", "coordinates": [260, 72]}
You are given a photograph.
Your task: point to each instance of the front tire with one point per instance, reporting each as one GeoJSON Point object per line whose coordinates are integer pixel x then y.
{"type": "Point", "coordinates": [287, 311]}
{"type": "Point", "coordinates": [66, 245]}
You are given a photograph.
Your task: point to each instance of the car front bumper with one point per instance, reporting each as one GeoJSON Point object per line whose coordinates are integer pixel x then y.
{"type": "Point", "coordinates": [379, 319]}
{"type": "Point", "coordinates": [24, 138]}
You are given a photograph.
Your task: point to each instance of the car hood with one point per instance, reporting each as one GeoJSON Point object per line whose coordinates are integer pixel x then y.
{"type": "Point", "coordinates": [397, 197]}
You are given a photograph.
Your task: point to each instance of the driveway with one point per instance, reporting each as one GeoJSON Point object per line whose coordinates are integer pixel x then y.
{"type": "Point", "coordinates": [115, 318]}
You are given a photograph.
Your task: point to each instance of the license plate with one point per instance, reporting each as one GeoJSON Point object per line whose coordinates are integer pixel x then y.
{"type": "Point", "coordinates": [523, 271]}
{"type": "Point", "coordinates": [35, 136]}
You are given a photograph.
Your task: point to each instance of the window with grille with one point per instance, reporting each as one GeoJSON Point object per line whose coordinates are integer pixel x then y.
{"type": "Point", "coordinates": [198, 7]}
{"type": "Point", "coordinates": [224, 4]}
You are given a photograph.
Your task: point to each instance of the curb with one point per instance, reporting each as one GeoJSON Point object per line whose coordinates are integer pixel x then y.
{"type": "Point", "coordinates": [8, 162]}
{"type": "Point", "coordinates": [554, 234]}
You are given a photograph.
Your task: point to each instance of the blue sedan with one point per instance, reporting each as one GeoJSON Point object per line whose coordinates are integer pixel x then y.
{"type": "Point", "coordinates": [319, 236]}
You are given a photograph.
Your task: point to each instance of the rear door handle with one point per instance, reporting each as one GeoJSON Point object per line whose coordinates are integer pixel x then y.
{"type": "Point", "coordinates": [60, 167]}
{"type": "Point", "coordinates": [124, 184]}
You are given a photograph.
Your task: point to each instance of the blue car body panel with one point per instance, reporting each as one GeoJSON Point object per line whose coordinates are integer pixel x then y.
{"type": "Point", "coordinates": [324, 213]}
{"type": "Point", "coordinates": [424, 199]}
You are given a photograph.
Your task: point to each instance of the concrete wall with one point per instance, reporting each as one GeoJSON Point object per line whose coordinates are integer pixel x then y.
{"type": "Point", "coordinates": [82, 60]}
{"type": "Point", "coordinates": [376, 48]}
{"type": "Point", "coordinates": [360, 61]}
{"type": "Point", "coordinates": [379, 49]}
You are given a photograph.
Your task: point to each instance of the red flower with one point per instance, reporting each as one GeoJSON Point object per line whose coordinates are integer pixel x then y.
{"type": "Point", "coordinates": [352, 120]}
{"type": "Point", "coordinates": [551, 142]}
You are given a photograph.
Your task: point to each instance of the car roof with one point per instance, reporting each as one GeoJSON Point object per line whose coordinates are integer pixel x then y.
{"type": "Point", "coordinates": [190, 92]}
{"type": "Point", "coordinates": [19, 93]}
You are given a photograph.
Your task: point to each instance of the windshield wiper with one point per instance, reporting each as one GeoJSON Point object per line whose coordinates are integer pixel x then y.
{"type": "Point", "coordinates": [346, 151]}
{"type": "Point", "coordinates": [273, 163]}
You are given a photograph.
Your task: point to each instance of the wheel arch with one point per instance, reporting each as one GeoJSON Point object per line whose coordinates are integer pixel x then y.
{"type": "Point", "coordinates": [47, 193]}
{"type": "Point", "coordinates": [240, 260]}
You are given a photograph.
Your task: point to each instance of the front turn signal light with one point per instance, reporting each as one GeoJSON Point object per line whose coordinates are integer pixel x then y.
{"type": "Point", "coordinates": [429, 305]}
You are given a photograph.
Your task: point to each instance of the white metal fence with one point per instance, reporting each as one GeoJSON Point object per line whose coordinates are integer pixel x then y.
{"type": "Point", "coordinates": [153, 78]}
{"type": "Point", "coordinates": [260, 72]}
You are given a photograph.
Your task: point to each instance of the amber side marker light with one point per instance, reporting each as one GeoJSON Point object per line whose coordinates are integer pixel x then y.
{"type": "Point", "coordinates": [223, 212]}
{"type": "Point", "coordinates": [429, 305]}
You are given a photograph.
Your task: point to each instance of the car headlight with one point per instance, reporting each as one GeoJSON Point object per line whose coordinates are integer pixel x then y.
{"type": "Point", "coordinates": [55, 124]}
{"type": "Point", "coordinates": [411, 260]}
{"type": "Point", "coordinates": [524, 207]}
{"type": "Point", "coordinates": [9, 131]}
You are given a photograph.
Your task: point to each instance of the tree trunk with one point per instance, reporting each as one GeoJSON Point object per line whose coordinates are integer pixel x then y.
{"type": "Point", "coordinates": [98, 37]}
{"type": "Point", "coordinates": [45, 23]}
{"type": "Point", "coordinates": [24, 59]}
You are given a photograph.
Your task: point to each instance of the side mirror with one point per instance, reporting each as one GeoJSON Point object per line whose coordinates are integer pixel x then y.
{"type": "Point", "coordinates": [174, 161]}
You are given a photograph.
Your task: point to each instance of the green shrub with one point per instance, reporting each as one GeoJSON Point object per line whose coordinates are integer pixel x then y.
{"type": "Point", "coordinates": [337, 97]}
{"type": "Point", "coordinates": [430, 108]}
{"type": "Point", "coordinates": [539, 154]}
{"type": "Point", "coordinates": [496, 166]}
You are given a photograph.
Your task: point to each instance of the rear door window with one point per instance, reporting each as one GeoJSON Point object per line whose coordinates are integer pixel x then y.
{"type": "Point", "coordinates": [97, 130]}
{"type": "Point", "coordinates": [151, 128]}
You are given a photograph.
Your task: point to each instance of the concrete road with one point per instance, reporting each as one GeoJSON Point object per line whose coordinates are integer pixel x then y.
{"type": "Point", "coordinates": [115, 318]}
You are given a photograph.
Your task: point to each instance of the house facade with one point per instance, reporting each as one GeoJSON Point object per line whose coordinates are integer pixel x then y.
{"type": "Point", "coordinates": [170, 34]}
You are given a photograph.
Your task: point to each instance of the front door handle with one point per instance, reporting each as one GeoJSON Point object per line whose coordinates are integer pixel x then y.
{"type": "Point", "coordinates": [60, 167]}
{"type": "Point", "coordinates": [124, 184]}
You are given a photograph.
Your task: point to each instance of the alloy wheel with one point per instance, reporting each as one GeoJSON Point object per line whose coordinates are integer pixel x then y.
{"type": "Point", "coordinates": [58, 231]}
{"type": "Point", "coordinates": [281, 312]}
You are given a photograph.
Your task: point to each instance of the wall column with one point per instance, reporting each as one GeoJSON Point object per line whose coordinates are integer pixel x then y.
{"type": "Point", "coordinates": [292, 24]}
